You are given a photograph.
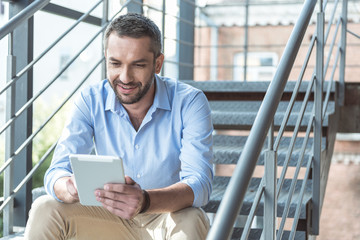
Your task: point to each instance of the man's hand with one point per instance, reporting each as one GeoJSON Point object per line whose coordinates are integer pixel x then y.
{"type": "Point", "coordinates": [123, 200]}
{"type": "Point", "coordinates": [66, 190]}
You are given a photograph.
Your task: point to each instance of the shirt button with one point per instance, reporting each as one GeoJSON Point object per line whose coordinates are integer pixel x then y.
{"type": "Point", "coordinates": [137, 146]}
{"type": "Point", "coordinates": [138, 176]}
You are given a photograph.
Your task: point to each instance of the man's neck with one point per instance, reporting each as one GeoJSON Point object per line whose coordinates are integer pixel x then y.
{"type": "Point", "coordinates": [137, 111]}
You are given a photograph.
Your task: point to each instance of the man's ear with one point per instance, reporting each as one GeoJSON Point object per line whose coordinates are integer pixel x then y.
{"type": "Point", "coordinates": [158, 63]}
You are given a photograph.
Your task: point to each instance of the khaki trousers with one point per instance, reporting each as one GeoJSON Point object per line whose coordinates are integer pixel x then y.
{"type": "Point", "coordinates": [50, 220]}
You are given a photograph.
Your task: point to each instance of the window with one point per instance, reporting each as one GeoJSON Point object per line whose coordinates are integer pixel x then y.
{"type": "Point", "coordinates": [261, 66]}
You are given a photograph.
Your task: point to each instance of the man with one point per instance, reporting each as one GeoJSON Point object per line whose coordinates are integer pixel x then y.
{"type": "Point", "coordinates": [161, 129]}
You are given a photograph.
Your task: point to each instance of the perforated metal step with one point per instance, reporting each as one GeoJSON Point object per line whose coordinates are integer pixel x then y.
{"type": "Point", "coordinates": [227, 150]}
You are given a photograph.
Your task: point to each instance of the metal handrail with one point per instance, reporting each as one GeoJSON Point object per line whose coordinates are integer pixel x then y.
{"type": "Point", "coordinates": [24, 15]}
{"type": "Point", "coordinates": [232, 200]}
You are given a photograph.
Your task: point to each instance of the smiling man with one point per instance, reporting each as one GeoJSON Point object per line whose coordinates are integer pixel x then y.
{"type": "Point", "coordinates": [162, 130]}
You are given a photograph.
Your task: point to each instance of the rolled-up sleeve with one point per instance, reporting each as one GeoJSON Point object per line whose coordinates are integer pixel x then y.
{"type": "Point", "coordinates": [196, 152]}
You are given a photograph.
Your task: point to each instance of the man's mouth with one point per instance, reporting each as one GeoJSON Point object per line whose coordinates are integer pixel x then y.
{"type": "Point", "coordinates": [126, 89]}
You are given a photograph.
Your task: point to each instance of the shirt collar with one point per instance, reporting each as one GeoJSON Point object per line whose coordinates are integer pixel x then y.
{"type": "Point", "coordinates": [161, 99]}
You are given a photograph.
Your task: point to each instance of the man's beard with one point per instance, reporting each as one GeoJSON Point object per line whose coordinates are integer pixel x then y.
{"type": "Point", "coordinates": [143, 90]}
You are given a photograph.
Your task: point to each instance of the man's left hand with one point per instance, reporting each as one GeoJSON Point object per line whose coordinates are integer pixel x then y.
{"type": "Point", "coordinates": [123, 200]}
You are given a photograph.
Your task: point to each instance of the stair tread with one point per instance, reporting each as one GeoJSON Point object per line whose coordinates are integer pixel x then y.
{"type": "Point", "coordinates": [227, 149]}
{"type": "Point", "coordinates": [219, 187]}
{"type": "Point", "coordinates": [253, 86]}
{"type": "Point", "coordinates": [242, 114]}
{"type": "Point", "coordinates": [255, 234]}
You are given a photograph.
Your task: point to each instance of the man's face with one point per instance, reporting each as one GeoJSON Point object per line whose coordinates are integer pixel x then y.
{"type": "Point", "coordinates": [131, 67]}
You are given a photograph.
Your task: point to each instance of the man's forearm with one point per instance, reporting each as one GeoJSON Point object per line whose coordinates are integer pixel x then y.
{"type": "Point", "coordinates": [170, 199]}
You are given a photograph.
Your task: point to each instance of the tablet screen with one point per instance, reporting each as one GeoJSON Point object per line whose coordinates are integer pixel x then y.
{"type": "Point", "coordinates": [93, 172]}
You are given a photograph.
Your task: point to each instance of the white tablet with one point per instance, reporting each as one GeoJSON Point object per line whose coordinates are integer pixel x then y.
{"type": "Point", "coordinates": [92, 172]}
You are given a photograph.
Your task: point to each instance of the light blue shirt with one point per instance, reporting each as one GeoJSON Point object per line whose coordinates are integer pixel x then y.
{"type": "Point", "coordinates": [173, 143]}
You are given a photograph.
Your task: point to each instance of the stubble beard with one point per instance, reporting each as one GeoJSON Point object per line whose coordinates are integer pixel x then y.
{"type": "Point", "coordinates": [143, 90]}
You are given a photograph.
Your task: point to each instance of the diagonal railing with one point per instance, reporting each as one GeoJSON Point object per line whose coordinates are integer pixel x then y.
{"type": "Point", "coordinates": [13, 77]}
{"type": "Point", "coordinates": [262, 127]}
{"type": "Point", "coordinates": [235, 192]}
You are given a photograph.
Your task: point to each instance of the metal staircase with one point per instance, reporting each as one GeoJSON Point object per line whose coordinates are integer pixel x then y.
{"type": "Point", "coordinates": [234, 107]}
{"type": "Point", "coordinates": [273, 141]}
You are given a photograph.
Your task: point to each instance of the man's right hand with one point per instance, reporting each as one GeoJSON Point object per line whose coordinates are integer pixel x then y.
{"type": "Point", "coordinates": [66, 190]}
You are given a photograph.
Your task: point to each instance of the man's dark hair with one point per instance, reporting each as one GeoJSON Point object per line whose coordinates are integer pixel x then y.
{"type": "Point", "coordinates": [135, 25]}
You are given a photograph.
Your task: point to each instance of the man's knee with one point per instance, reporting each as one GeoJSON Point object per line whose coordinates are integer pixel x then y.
{"type": "Point", "coordinates": [45, 206]}
{"type": "Point", "coordinates": [191, 223]}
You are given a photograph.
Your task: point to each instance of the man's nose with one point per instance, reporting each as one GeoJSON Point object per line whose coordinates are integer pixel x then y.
{"type": "Point", "coordinates": [125, 75]}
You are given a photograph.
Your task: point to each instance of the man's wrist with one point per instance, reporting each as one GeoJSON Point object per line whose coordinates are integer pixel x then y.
{"type": "Point", "coordinates": [146, 202]}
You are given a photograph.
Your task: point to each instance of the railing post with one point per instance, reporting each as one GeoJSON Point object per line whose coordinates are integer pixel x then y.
{"type": "Point", "coordinates": [246, 39]}
{"type": "Point", "coordinates": [343, 53]}
{"type": "Point", "coordinates": [163, 16]}
{"type": "Point", "coordinates": [135, 6]}
{"type": "Point", "coordinates": [318, 125]}
{"type": "Point", "coordinates": [8, 215]}
{"type": "Point", "coordinates": [186, 34]}
{"type": "Point", "coordinates": [22, 164]}
{"type": "Point", "coordinates": [104, 20]}
{"type": "Point", "coordinates": [270, 196]}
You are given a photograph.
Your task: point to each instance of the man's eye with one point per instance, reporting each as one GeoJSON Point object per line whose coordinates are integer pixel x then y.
{"type": "Point", "coordinates": [140, 65]}
{"type": "Point", "coordinates": [114, 63]}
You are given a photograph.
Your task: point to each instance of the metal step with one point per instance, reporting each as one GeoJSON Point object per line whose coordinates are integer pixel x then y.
{"type": "Point", "coordinates": [227, 150]}
{"type": "Point", "coordinates": [246, 87]}
{"type": "Point", "coordinates": [255, 234]}
{"type": "Point", "coordinates": [220, 184]}
{"type": "Point", "coordinates": [241, 114]}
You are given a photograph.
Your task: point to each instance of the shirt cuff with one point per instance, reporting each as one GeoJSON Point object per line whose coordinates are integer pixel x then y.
{"type": "Point", "coordinates": [201, 195]}
{"type": "Point", "coordinates": [50, 187]}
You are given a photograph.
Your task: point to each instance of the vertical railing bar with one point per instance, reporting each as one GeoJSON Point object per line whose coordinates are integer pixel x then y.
{"type": "Point", "coordinates": [27, 67]}
{"type": "Point", "coordinates": [294, 94]}
{"type": "Point", "coordinates": [163, 32]}
{"type": "Point", "coordinates": [318, 124]}
{"type": "Point", "coordinates": [293, 138]}
{"type": "Point", "coordinates": [8, 214]}
{"type": "Point", "coordinates": [270, 197]}
{"type": "Point", "coordinates": [167, 14]}
{"type": "Point", "coordinates": [28, 140]}
{"type": "Point", "coordinates": [298, 207]}
{"type": "Point", "coordinates": [271, 137]}
{"type": "Point", "coordinates": [246, 38]}
{"type": "Point", "coordinates": [104, 21]}
{"type": "Point", "coordinates": [253, 209]}
{"type": "Point", "coordinates": [295, 178]}
{"type": "Point", "coordinates": [343, 53]}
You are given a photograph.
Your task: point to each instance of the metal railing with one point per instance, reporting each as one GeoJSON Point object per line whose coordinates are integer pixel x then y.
{"type": "Point", "coordinates": [232, 200]}
{"type": "Point", "coordinates": [235, 192]}
{"type": "Point", "coordinates": [10, 192]}
{"type": "Point", "coordinates": [14, 76]}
